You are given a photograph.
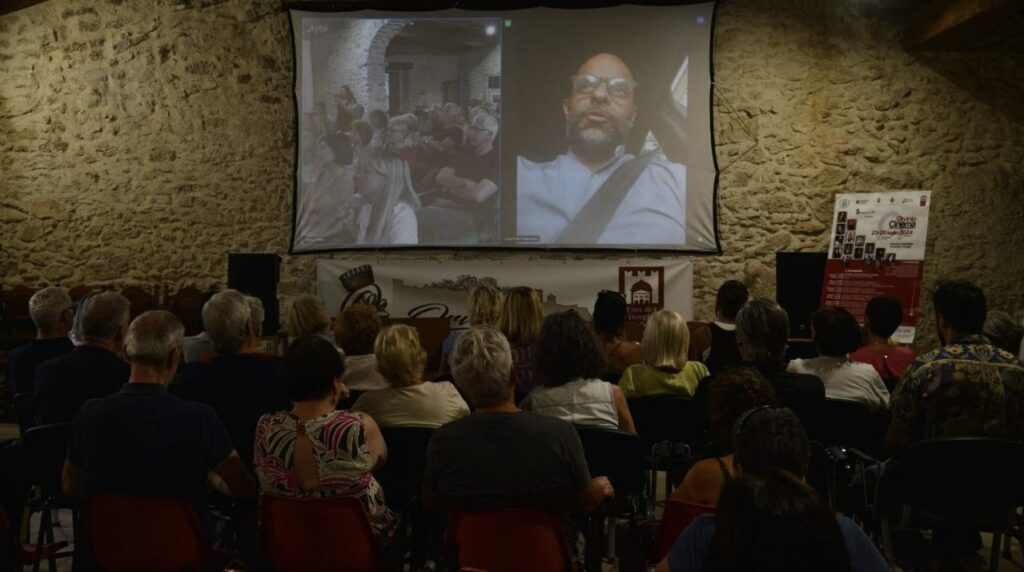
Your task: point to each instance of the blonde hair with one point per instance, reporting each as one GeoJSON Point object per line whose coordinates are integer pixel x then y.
{"type": "Point", "coordinates": [400, 357]}
{"type": "Point", "coordinates": [483, 305]}
{"type": "Point", "coordinates": [521, 316]}
{"type": "Point", "coordinates": [666, 339]}
{"type": "Point", "coordinates": [307, 317]}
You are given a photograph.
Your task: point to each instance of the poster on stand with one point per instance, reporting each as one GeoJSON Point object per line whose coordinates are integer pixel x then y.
{"type": "Point", "coordinates": [877, 248]}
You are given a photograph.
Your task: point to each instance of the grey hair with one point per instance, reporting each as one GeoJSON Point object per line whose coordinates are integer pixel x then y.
{"type": "Point", "coordinates": [227, 316]}
{"type": "Point", "coordinates": [1003, 331]}
{"type": "Point", "coordinates": [104, 316]}
{"type": "Point", "coordinates": [152, 337]}
{"type": "Point", "coordinates": [482, 366]}
{"type": "Point", "coordinates": [258, 314]}
{"type": "Point", "coordinates": [762, 329]}
{"type": "Point", "coordinates": [307, 317]}
{"type": "Point", "coordinates": [47, 305]}
{"type": "Point", "coordinates": [484, 305]}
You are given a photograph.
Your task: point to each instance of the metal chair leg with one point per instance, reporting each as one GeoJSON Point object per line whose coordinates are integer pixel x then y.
{"type": "Point", "coordinates": [49, 538]}
{"type": "Point", "coordinates": [887, 542]}
{"type": "Point", "coordinates": [993, 560]}
{"type": "Point", "coordinates": [44, 518]}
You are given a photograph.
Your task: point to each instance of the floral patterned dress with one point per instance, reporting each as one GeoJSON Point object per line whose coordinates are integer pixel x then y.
{"type": "Point", "coordinates": [342, 459]}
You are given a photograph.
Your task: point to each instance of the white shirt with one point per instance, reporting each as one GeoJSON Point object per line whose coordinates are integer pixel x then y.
{"type": "Point", "coordinates": [427, 404]}
{"type": "Point", "coordinates": [551, 194]}
{"type": "Point", "coordinates": [361, 373]}
{"type": "Point", "coordinates": [845, 379]}
{"type": "Point", "coordinates": [580, 402]}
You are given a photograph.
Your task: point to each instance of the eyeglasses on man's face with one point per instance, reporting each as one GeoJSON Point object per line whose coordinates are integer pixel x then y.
{"type": "Point", "coordinates": [618, 87]}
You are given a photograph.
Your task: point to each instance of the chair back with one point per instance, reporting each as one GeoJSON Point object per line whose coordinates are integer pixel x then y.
{"type": "Point", "coordinates": [617, 455]}
{"type": "Point", "coordinates": [666, 418]}
{"type": "Point", "coordinates": [46, 447]}
{"type": "Point", "coordinates": [510, 540]}
{"type": "Point", "coordinates": [677, 516]}
{"type": "Point", "coordinates": [129, 533]}
{"type": "Point", "coordinates": [23, 409]}
{"type": "Point", "coordinates": [317, 534]}
{"type": "Point", "coordinates": [402, 476]}
{"type": "Point", "coordinates": [962, 477]}
{"type": "Point", "coordinates": [853, 424]}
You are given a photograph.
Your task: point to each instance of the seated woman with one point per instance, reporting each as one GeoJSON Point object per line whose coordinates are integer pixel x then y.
{"type": "Point", "coordinates": [484, 306]}
{"type": "Point", "coordinates": [355, 331]}
{"type": "Point", "coordinates": [733, 392]}
{"type": "Point", "coordinates": [314, 450]}
{"type": "Point", "coordinates": [409, 402]}
{"type": "Point", "coordinates": [609, 321]}
{"type": "Point", "coordinates": [881, 318]}
{"type": "Point", "coordinates": [308, 317]}
{"type": "Point", "coordinates": [836, 334]}
{"type": "Point", "coordinates": [568, 361]}
{"type": "Point", "coordinates": [520, 321]}
{"type": "Point", "coordinates": [666, 371]}
{"type": "Point", "coordinates": [389, 217]}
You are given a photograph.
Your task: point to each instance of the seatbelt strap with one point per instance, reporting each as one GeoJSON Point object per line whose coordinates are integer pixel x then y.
{"type": "Point", "coordinates": [592, 220]}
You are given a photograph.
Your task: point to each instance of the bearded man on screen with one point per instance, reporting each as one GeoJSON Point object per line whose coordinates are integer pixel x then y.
{"type": "Point", "coordinates": [596, 193]}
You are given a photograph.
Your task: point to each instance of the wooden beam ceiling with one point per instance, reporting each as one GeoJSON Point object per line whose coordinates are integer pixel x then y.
{"type": "Point", "coordinates": [947, 22]}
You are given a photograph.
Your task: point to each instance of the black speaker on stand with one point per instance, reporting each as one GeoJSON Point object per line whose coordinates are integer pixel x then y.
{"type": "Point", "coordinates": [799, 277]}
{"type": "Point", "coordinates": [257, 275]}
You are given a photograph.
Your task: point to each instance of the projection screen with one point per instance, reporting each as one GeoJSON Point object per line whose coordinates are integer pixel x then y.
{"type": "Point", "coordinates": [540, 128]}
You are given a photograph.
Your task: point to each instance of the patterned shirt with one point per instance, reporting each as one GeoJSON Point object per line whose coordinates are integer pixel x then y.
{"type": "Point", "coordinates": [342, 460]}
{"type": "Point", "coordinates": [968, 388]}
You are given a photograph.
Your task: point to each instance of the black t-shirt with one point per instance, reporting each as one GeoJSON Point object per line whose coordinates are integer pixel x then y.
{"type": "Point", "coordinates": [240, 388]}
{"type": "Point", "coordinates": [801, 392]}
{"type": "Point", "coordinates": [64, 383]}
{"type": "Point", "coordinates": [475, 167]}
{"type": "Point", "coordinates": [22, 362]}
{"type": "Point", "coordinates": [504, 460]}
{"type": "Point", "coordinates": [145, 441]}
{"type": "Point", "coordinates": [724, 351]}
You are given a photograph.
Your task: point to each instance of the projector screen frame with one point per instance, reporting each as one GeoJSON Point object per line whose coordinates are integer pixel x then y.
{"type": "Point", "coordinates": [376, 8]}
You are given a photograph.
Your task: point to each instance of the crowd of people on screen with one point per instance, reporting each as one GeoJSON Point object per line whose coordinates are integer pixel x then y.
{"type": "Point", "coordinates": [158, 413]}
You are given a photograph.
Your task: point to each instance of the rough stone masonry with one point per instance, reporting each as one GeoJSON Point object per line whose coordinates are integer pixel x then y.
{"type": "Point", "coordinates": [142, 141]}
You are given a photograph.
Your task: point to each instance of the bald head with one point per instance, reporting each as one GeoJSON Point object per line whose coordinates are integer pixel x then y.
{"type": "Point", "coordinates": [599, 111]}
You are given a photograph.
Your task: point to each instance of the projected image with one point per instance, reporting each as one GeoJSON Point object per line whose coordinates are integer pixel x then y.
{"type": "Point", "coordinates": [399, 123]}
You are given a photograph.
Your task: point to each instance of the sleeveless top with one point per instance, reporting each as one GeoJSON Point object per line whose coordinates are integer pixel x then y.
{"type": "Point", "coordinates": [580, 402]}
{"type": "Point", "coordinates": [342, 461]}
{"type": "Point", "coordinates": [723, 351]}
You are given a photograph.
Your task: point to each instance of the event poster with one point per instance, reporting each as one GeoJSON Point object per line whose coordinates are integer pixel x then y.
{"type": "Point", "coordinates": [418, 288]}
{"type": "Point", "coordinates": [878, 249]}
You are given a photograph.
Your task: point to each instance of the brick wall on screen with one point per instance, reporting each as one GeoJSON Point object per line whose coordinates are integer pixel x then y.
{"type": "Point", "coordinates": [140, 146]}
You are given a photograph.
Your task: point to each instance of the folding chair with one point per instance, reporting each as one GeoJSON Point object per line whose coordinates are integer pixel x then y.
{"type": "Point", "coordinates": [46, 448]}
{"type": "Point", "coordinates": [318, 534]}
{"type": "Point", "coordinates": [401, 478]}
{"type": "Point", "coordinates": [22, 553]}
{"type": "Point", "coordinates": [509, 541]}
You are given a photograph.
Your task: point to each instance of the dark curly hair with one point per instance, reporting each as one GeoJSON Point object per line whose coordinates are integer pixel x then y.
{"type": "Point", "coordinates": [356, 329]}
{"type": "Point", "coordinates": [566, 350]}
{"type": "Point", "coordinates": [609, 312]}
{"type": "Point", "coordinates": [771, 437]}
{"type": "Point", "coordinates": [733, 392]}
{"type": "Point", "coordinates": [309, 368]}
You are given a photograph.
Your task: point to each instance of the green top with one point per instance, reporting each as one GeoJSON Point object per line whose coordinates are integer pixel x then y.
{"type": "Point", "coordinates": [642, 380]}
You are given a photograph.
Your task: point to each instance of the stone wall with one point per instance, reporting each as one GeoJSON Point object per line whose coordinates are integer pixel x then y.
{"type": "Point", "coordinates": [140, 142]}
{"type": "Point", "coordinates": [427, 78]}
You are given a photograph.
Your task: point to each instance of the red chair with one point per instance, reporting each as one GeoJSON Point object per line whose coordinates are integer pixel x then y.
{"type": "Point", "coordinates": [677, 516]}
{"type": "Point", "coordinates": [24, 553]}
{"type": "Point", "coordinates": [318, 534]}
{"type": "Point", "coordinates": [145, 533]}
{"type": "Point", "coordinates": [509, 540]}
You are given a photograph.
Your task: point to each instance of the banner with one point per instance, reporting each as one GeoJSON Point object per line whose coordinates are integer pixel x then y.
{"type": "Point", "coordinates": [438, 289]}
{"type": "Point", "coordinates": [878, 249]}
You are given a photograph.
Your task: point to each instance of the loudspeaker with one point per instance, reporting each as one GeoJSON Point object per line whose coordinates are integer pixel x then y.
{"type": "Point", "coordinates": [257, 275]}
{"type": "Point", "coordinates": [799, 277]}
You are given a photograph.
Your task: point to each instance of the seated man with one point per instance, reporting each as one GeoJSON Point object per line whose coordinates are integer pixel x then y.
{"type": "Point", "coordinates": [240, 382]}
{"type": "Point", "coordinates": [53, 313]}
{"type": "Point", "coordinates": [145, 441]}
{"type": "Point", "coordinates": [499, 456]}
{"type": "Point", "coordinates": [762, 331]}
{"type": "Point", "coordinates": [93, 369]}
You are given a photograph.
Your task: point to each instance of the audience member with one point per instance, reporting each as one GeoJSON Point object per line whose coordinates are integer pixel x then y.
{"type": "Point", "coordinates": [771, 527]}
{"type": "Point", "coordinates": [198, 347]}
{"type": "Point", "coordinates": [53, 313]}
{"type": "Point", "coordinates": [610, 322]}
{"type": "Point", "coordinates": [520, 320]}
{"type": "Point", "coordinates": [735, 391]}
{"type": "Point", "coordinates": [93, 369]}
{"type": "Point", "coordinates": [762, 330]}
{"type": "Point", "coordinates": [240, 382]}
{"type": "Point", "coordinates": [836, 334]}
{"type": "Point", "coordinates": [388, 216]}
{"type": "Point", "coordinates": [666, 370]}
{"type": "Point", "coordinates": [568, 362]}
{"type": "Point", "coordinates": [144, 441]}
{"type": "Point", "coordinates": [499, 456]}
{"type": "Point", "coordinates": [1003, 331]}
{"type": "Point", "coordinates": [315, 450]}
{"type": "Point", "coordinates": [732, 295]}
{"type": "Point", "coordinates": [355, 331]}
{"type": "Point", "coordinates": [484, 308]}
{"type": "Point", "coordinates": [967, 387]}
{"type": "Point", "coordinates": [409, 401]}
{"type": "Point", "coordinates": [881, 318]}
{"type": "Point", "coordinates": [308, 317]}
